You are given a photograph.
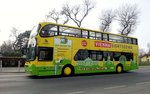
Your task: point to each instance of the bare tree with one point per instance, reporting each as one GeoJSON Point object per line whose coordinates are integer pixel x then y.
{"type": "Point", "coordinates": [57, 16]}
{"type": "Point", "coordinates": [77, 13]}
{"type": "Point", "coordinates": [53, 15]}
{"type": "Point", "coordinates": [106, 19]}
{"type": "Point", "coordinates": [127, 17]}
{"type": "Point", "coordinates": [20, 40]}
{"type": "Point", "coordinates": [14, 33]}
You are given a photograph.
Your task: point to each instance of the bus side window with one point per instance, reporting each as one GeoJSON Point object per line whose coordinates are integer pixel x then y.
{"type": "Point", "coordinates": [129, 56]}
{"type": "Point", "coordinates": [134, 41]}
{"type": "Point", "coordinates": [99, 55]}
{"type": "Point", "coordinates": [115, 38]}
{"type": "Point", "coordinates": [108, 56]}
{"type": "Point", "coordinates": [81, 55]}
{"type": "Point", "coordinates": [105, 37]}
{"type": "Point", "coordinates": [96, 55]}
{"type": "Point", "coordinates": [98, 36]}
{"type": "Point", "coordinates": [130, 40]}
{"type": "Point", "coordinates": [41, 55]}
{"type": "Point", "coordinates": [92, 35]}
{"type": "Point", "coordinates": [84, 34]}
{"type": "Point", "coordinates": [68, 31]}
{"type": "Point", "coordinates": [45, 54]}
{"type": "Point", "coordinates": [125, 40]}
{"type": "Point", "coordinates": [93, 55]}
{"type": "Point", "coordinates": [116, 56]}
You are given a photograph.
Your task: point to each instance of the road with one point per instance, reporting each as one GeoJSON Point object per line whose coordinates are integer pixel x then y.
{"type": "Point", "coordinates": [133, 82]}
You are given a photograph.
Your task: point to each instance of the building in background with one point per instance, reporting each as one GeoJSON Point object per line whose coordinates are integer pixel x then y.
{"type": "Point", "coordinates": [145, 58]}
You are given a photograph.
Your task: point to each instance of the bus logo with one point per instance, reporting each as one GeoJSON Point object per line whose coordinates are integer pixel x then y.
{"type": "Point", "coordinates": [64, 40]}
{"type": "Point", "coordinates": [103, 44]}
{"type": "Point", "coordinates": [84, 43]}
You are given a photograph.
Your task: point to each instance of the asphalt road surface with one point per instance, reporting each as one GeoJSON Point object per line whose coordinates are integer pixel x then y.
{"type": "Point", "coordinates": [133, 82]}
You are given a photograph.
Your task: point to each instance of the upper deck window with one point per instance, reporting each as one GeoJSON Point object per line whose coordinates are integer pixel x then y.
{"type": "Point", "coordinates": [134, 41]}
{"type": "Point", "coordinates": [99, 36]}
{"type": "Point", "coordinates": [105, 37]}
{"type": "Point", "coordinates": [125, 39]}
{"type": "Point", "coordinates": [115, 38]}
{"type": "Point", "coordinates": [62, 30]}
{"type": "Point", "coordinates": [92, 35]}
{"type": "Point", "coordinates": [84, 34]}
{"type": "Point", "coordinates": [130, 40]}
{"type": "Point", "coordinates": [49, 30]}
{"type": "Point", "coordinates": [67, 31]}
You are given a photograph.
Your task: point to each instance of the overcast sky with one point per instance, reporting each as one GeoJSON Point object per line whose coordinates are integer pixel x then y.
{"type": "Point", "coordinates": [24, 14]}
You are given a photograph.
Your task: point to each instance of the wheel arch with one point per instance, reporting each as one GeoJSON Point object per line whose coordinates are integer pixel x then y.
{"type": "Point", "coordinates": [121, 67]}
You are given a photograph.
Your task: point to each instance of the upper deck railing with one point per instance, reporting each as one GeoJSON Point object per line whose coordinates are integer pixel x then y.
{"type": "Point", "coordinates": [50, 30]}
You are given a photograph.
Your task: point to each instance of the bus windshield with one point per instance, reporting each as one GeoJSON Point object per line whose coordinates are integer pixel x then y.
{"type": "Point", "coordinates": [34, 31]}
{"type": "Point", "coordinates": [31, 49]}
{"type": "Point", "coordinates": [31, 53]}
{"type": "Point", "coordinates": [49, 30]}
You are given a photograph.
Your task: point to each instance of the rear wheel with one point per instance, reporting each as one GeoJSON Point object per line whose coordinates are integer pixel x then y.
{"type": "Point", "coordinates": [119, 69]}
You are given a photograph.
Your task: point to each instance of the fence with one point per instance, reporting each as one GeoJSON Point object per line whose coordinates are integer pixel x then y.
{"type": "Point", "coordinates": [9, 64]}
{"type": "Point", "coordinates": [144, 63]}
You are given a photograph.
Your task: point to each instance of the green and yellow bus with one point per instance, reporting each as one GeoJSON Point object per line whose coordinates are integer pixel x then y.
{"type": "Point", "coordinates": [56, 49]}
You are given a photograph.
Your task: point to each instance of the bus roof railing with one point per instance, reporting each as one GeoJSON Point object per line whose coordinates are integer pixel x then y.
{"type": "Point", "coordinates": [85, 29]}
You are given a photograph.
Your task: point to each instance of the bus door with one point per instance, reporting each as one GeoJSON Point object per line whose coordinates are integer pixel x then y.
{"type": "Point", "coordinates": [45, 58]}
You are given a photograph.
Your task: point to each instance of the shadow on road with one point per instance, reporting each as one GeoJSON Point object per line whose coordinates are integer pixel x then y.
{"type": "Point", "coordinates": [77, 75]}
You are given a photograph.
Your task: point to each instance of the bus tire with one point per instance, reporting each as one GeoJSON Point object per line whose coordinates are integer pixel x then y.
{"type": "Point", "coordinates": [68, 70]}
{"type": "Point", "coordinates": [119, 68]}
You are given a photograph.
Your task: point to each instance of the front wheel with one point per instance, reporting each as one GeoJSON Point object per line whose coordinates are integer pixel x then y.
{"type": "Point", "coordinates": [67, 71]}
{"type": "Point", "coordinates": [119, 69]}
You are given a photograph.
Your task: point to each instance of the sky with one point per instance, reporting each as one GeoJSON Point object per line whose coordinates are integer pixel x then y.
{"type": "Point", "coordinates": [25, 14]}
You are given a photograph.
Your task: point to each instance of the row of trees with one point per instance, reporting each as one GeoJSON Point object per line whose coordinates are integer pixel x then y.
{"type": "Point", "coordinates": [14, 48]}
{"type": "Point", "coordinates": [127, 17]}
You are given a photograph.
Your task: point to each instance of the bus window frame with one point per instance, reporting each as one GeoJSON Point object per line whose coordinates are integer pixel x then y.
{"type": "Point", "coordinates": [35, 54]}
{"type": "Point", "coordinates": [130, 40]}
{"type": "Point", "coordinates": [56, 26]}
{"type": "Point", "coordinates": [47, 49]}
{"type": "Point", "coordinates": [105, 39]}
{"type": "Point", "coordinates": [98, 37]}
{"type": "Point", "coordinates": [76, 34]}
{"type": "Point", "coordinates": [90, 35]}
{"type": "Point", "coordinates": [104, 36]}
{"type": "Point", "coordinates": [33, 34]}
{"type": "Point", "coordinates": [85, 36]}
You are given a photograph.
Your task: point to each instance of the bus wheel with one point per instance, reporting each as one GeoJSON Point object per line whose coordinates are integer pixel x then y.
{"type": "Point", "coordinates": [67, 71]}
{"type": "Point", "coordinates": [119, 69]}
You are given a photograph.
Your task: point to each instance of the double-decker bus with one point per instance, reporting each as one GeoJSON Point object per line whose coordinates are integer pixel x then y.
{"type": "Point", "coordinates": [56, 49]}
